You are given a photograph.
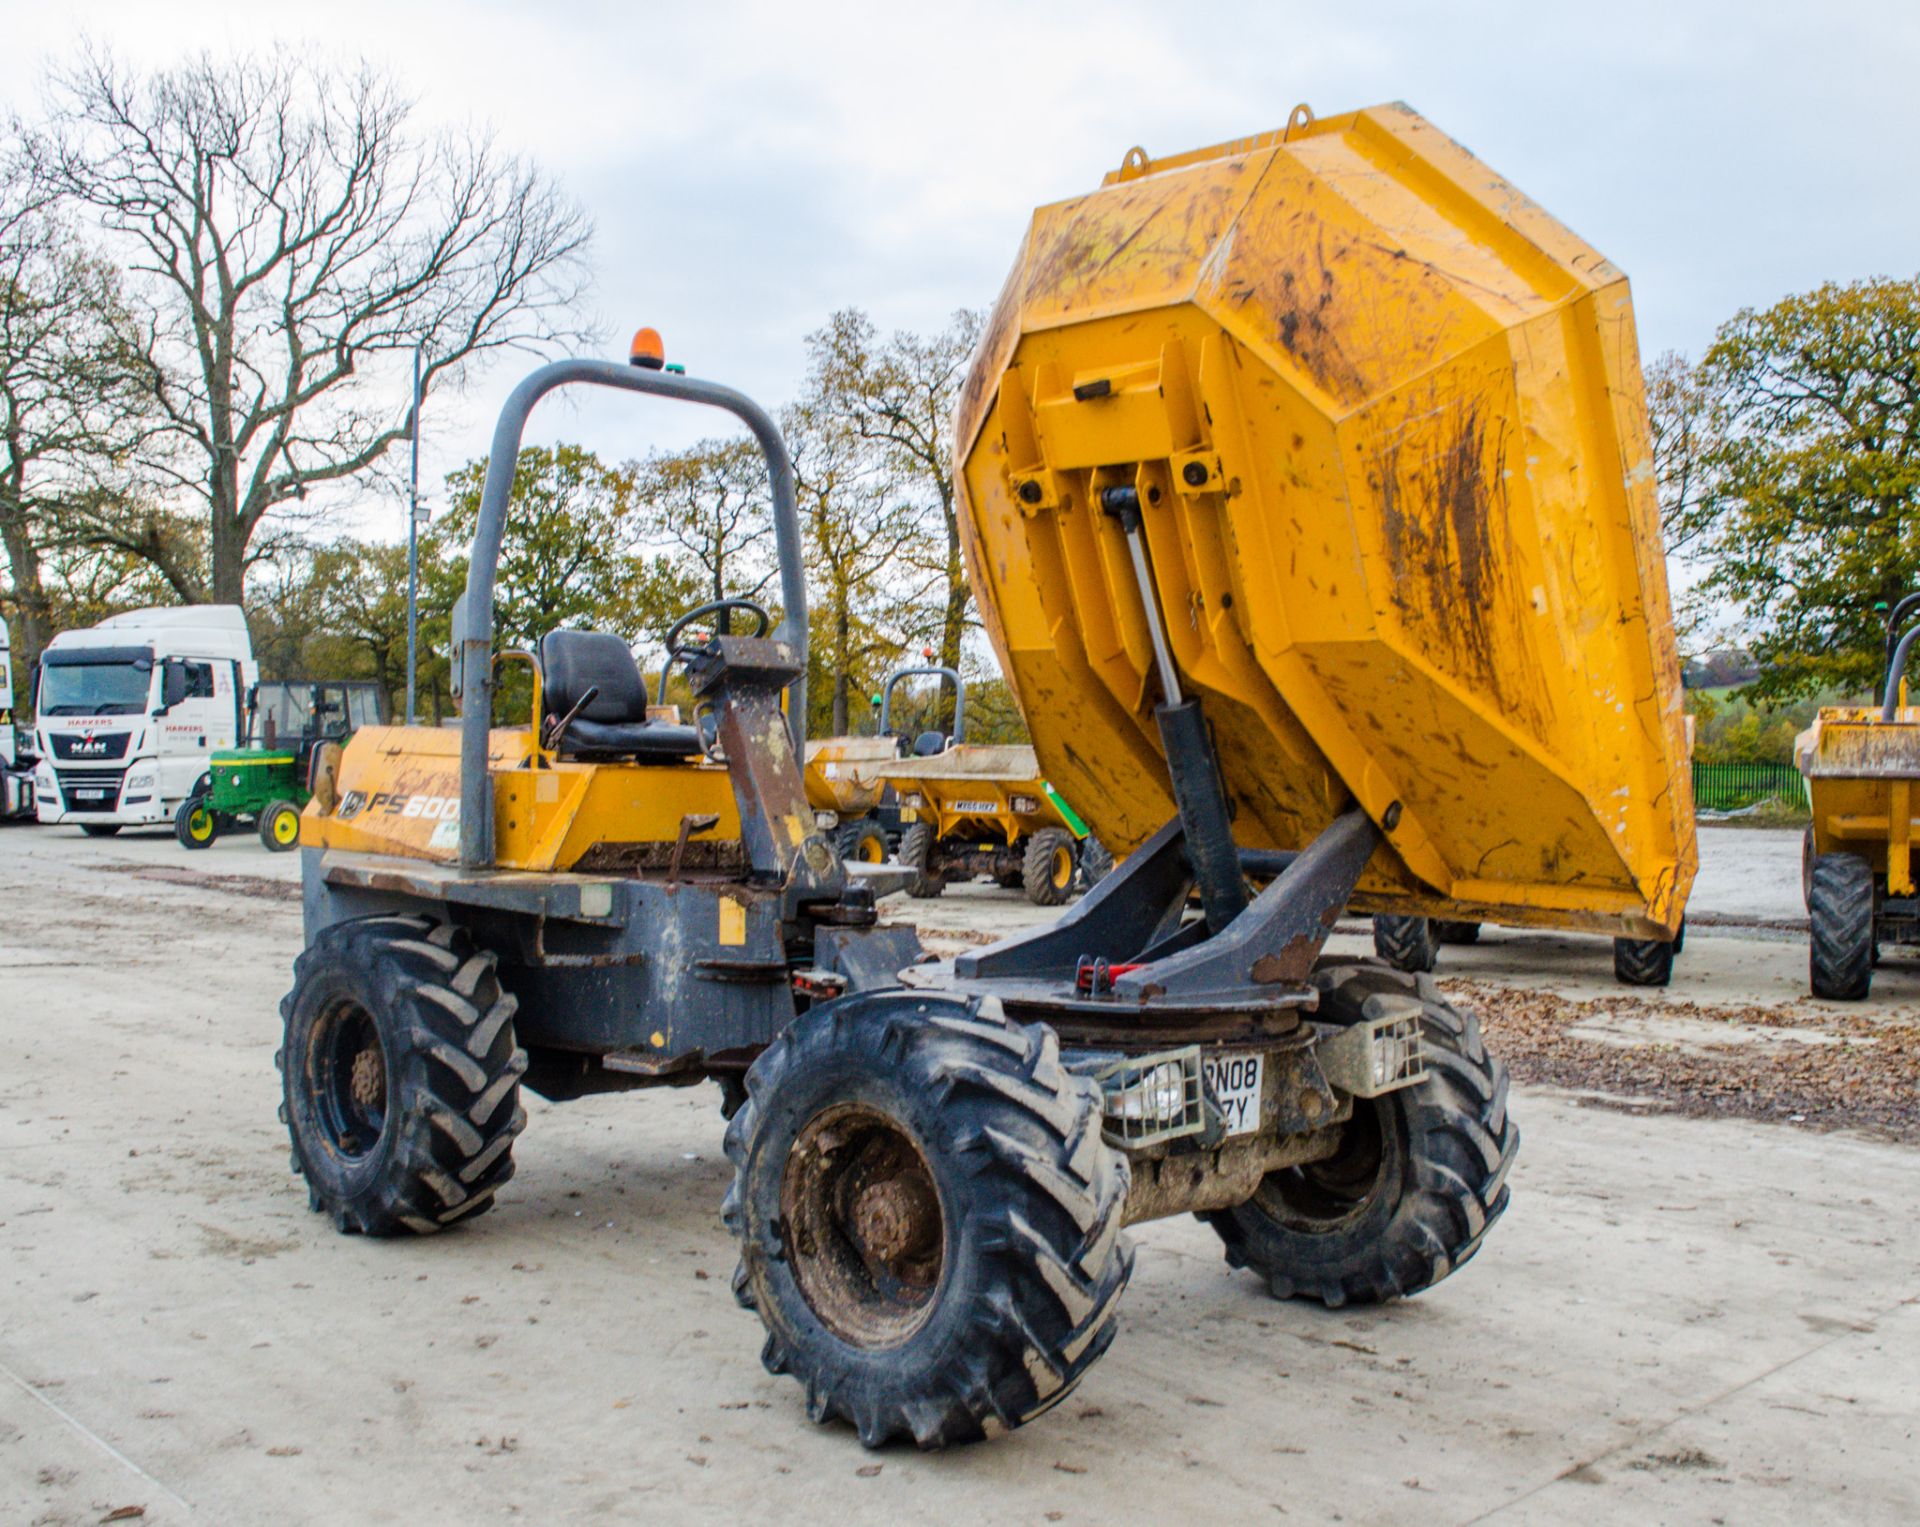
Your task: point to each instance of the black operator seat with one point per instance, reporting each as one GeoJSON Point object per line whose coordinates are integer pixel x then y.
{"type": "Point", "coordinates": [929, 744]}
{"type": "Point", "coordinates": [614, 724]}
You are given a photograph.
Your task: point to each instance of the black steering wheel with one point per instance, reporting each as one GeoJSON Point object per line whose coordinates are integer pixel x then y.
{"type": "Point", "coordinates": [678, 654]}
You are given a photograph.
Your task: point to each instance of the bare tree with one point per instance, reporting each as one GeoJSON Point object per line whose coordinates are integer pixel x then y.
{"type": "Point", "coordinates": [709, 504]}
{"type": "Point", "coordinates": [73, 390]}
{"type": "Point", "coordinates": [286, 227]}
{"type": "Point", "coordinates": [861, 533]}
{"type": "Point", "coordinates": [900, 394]}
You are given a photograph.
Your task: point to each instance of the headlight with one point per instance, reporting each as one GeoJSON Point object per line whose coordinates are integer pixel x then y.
{"type": "Point", "coordinates": [140, 778]}
{"type": "Point", "coordinates": [913, 800]}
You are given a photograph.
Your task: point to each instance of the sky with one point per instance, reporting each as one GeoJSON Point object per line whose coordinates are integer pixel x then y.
{"type": "Point", "coordinates": [752, 167]}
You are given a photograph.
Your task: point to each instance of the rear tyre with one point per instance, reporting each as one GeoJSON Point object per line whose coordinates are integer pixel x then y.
{"type": "Point", "coordinates": [861, 842]}
{"type": "Point", "coordinates": [1645, 961]}
{"type": "Point", "coordinates": [1840, 927]}
{"type": "Point", "coordinates": [100, 829]}
{"type": "Point", "coordinates": [1048, 867]}
{"type": "Point", "coordinates": [1095, 862]}
{"type": "Point", "coordinates": [194, 824]}
{"type": "Point", "coordinates": [1417, 1178]}
{"type": "Point", "coordinates": [280, 827]}
{"type": "Point", "coordinates": [1406, 943]}
{"type": "Point", "coordinates": [929, 1220]}
{"type": "Point", "coordinates": [1806, 869]}
{"type": "Point", "coordinates": [400, 1076]}
{"type": "Point", "coordinates": [1446, 931]}
{"type": "Point", "coordinates": [916, 853]}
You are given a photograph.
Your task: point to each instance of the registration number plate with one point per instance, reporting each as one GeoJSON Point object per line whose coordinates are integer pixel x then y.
{"type": "Point", "coordinates": [983, 808]}
{"type": "Point", "coordinates": [1233, 1082]}
{"type": "Point", "coordinates": [91, 796]}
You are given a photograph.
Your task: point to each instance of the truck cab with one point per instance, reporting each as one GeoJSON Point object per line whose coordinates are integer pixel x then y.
{"type": "Point", "coordinates": [129, 711]}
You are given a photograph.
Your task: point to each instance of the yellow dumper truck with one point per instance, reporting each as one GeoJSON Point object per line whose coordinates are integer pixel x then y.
{"type": "Point", "coordinates": [1306, 496]}
{"type": "Point", "coordinates": [1862, 766]}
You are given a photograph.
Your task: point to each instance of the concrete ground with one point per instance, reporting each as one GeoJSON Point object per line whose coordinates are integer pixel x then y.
{"type": "Point", "coordinates": [1679, 1320]}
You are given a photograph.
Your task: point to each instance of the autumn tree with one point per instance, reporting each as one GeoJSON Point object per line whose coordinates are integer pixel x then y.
{"type": "Point", "coordinates": [710, 507]}
{"type": "Point", "coordinates": [289, 231]}
{"type": "Point", "coordinates": [862, 586]}
{"type": "Point", "coordinates": [1810, 519]}
{"type": "Point", "coordinates": [899, 394]}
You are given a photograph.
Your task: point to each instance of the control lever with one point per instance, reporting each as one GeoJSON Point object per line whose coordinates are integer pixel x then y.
{"type": "Point", "coordinates": [556, 729]}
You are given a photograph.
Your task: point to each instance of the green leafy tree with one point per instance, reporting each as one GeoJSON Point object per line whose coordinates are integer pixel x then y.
{"type": "Point", "coordinates": [1807, 515]}
{"type": "Point", "coordinates": [573, 555]}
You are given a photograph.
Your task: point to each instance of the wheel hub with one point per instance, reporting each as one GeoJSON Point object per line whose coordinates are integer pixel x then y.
{"type": "Point", "coordinates": [369, 1080]}
{"type": "Point", "coordinates": [865, 1230]}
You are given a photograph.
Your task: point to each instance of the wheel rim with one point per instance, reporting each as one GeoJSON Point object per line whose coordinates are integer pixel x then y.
{"type": "Point", "coordinates": [347, 1070]}
{"type": "Point", "coordinates": [864, 1227]}
{"type": "Point", "coordinates": [286, 826]}
{"type": "Point", "coordinates": [1322, 1196]}
{"type": "Point", "coordinates": [1062, 870]}
{"type": "Point", "coordinates": [200, 825]}
{"type": "Point", "coordinates": [871, 849]}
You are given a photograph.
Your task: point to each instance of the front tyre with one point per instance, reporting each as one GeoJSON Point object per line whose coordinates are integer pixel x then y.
{"type": "Point", "coordinates": [928, 1217]}
{"type": "Point", "coordinates": [1840, 915]}
{"type": "Point", "coordinates": [280, 827]}
{"type": "Point", "coordinates": [862, 841]}
{"type": "Point", "coordinates": [400, 1076]}
{"type": "Point", "coordinates": [194, 823]}
{"type": "Point", "coordinates": [1047, 867]}
{"type": "Point", "coordinates": [916, 854]}
{"type": "Point", "coordinates": [1418, 1175]}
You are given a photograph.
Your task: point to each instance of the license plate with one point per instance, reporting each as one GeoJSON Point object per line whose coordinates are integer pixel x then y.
{"type": "Point", "coordinates": [1233, 1082]}
{"type": "Point", "coordinates": [984, 808]}
{"type": "Point", "coordinates": [93, 795]}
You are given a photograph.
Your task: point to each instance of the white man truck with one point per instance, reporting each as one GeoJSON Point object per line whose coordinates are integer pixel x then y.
{"type": "Point", "coordinates": [16, 752]}
{"type": "Point", "coordinates": [128, 711]}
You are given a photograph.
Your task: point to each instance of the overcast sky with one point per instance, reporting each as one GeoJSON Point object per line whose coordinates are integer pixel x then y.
{"type": "Point", "coordinates": [751, 167]}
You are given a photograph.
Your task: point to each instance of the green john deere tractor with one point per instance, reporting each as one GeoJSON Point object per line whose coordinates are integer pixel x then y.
{"type": "Point", "coordinates": [265, 781]}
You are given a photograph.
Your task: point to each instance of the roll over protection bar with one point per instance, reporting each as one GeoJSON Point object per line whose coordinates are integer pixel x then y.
{"type": "Point", "coordinates": [473, 636]}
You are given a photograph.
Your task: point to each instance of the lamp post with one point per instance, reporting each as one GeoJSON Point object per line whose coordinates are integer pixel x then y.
{"type": "Point", "coordinates": [413, 542]}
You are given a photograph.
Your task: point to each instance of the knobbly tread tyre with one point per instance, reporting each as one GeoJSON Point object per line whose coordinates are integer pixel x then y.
{"type": "Point", "coordinates": [1037, 876]}
{"type": "Point", "coordinates": [916, 853]}
{"type": "Point", "coordinates": [1434, 1204]}
{"type": "Point", "coordinates": [452, 1070]}
{"type": "Point", "coordinates": [1406, 943]}
{"type": "Point", "coordinates": [183, 823]}
{"type": "Point", "coordinates": [1455, 931]}
{"type": "Point", "coordinates": [1031, 1195]}
{"type": "Point", "coordinates": [1096, 862]}
{"type": "Point", "coordinates": [849, 836]}
{"type": "Point", "coordinates": [1840, 927]}
{"type": "Point", "coordinates": [1644, 961]}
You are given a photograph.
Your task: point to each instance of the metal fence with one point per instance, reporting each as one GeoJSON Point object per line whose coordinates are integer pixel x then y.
{"type": "Point", "coordinates": [1728, 787]}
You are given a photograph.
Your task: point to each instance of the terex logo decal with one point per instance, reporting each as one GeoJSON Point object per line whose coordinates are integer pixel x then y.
{"type": "Point", "coordinates": [426, 808]}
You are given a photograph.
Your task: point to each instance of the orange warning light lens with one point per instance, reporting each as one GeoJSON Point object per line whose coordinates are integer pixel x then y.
{"type": "Point", "coordinates": [647, 350]}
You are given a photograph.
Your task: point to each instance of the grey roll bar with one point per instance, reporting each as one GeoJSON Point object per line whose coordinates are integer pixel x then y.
{"type": "Point", "coordinates": [950, 674]}
{"type": "Point", "coordinates": [476, 640]}
{"type": "Point", "coordinates": [1890, 696]}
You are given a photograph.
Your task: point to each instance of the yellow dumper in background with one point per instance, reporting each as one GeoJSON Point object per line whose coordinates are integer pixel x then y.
{"type": "Point", "coordinates": [968, 810]}
{"type": "Point", "coordinates": [1320, 459]}
{"type": "Point", "coordinates": [1861, 765]}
